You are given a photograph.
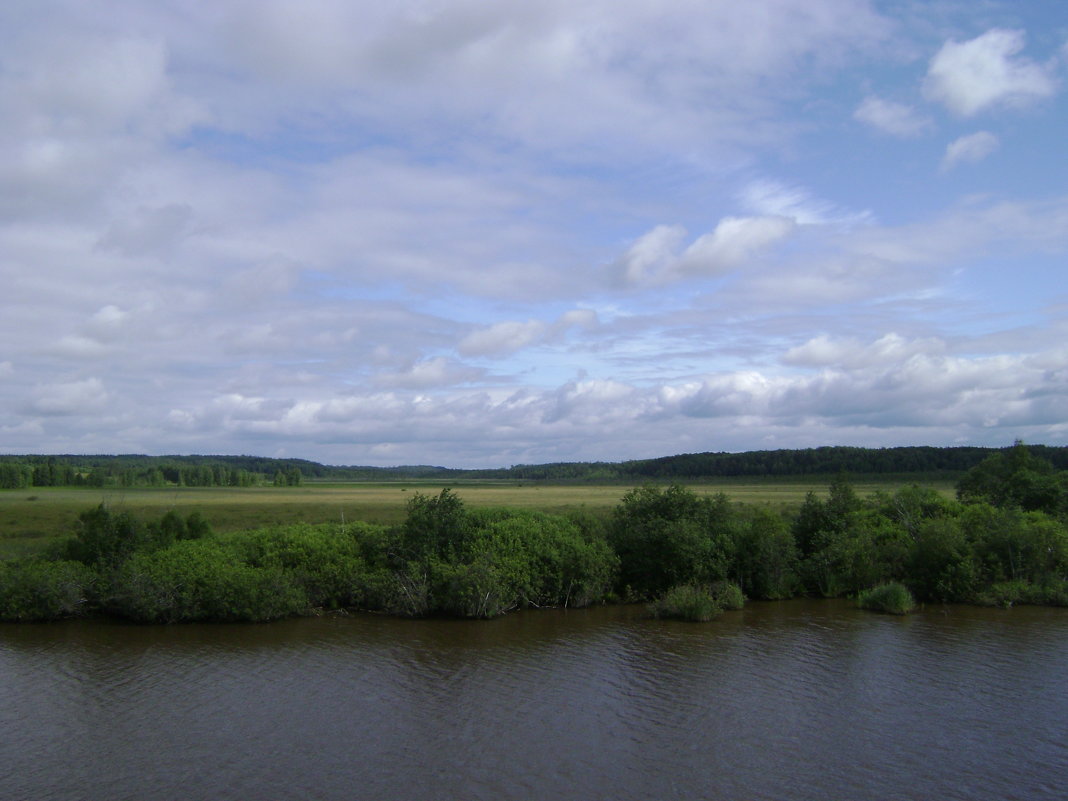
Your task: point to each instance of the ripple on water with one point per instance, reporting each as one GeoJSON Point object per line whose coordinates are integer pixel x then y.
{"type": "Point", "coordinates": [781, 700]}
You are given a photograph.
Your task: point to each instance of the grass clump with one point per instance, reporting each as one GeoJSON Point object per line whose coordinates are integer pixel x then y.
{"type": "Point", "coordinates": [893, 598]}
{"type": "Point", "coordinates": [697, 603]}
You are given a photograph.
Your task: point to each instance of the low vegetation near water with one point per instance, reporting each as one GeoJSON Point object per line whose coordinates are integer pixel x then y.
{"type": "Point", "coordinates": [893, 598]}
{"type": "Point", "coordinates": [698, 603]}
{"type": "Point", "coordinates": [1003, 541]}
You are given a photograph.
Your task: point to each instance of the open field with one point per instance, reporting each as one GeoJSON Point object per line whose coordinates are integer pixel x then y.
{"type": "Point", "coordinates": [31, 518]}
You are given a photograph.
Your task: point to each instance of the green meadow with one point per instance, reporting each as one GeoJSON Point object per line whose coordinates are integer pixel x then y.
{"type": "Point", "coordinates": [31, 518]}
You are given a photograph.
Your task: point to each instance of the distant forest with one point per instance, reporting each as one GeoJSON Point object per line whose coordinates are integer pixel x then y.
{"type": "Point", "coordinates": [18, 471]}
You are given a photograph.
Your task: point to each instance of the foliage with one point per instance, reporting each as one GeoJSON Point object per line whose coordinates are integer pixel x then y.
{"type": "Point", "coordinates": [450, 561]}
{"type": "Point", "coordinates": [106, 539]}
{"type": "Point", "coordinates": [686, 602]}
{"type": "Point", "coordinates": [942, 565]}
{"type": "Point", "coordinates": [697, 602]}
{"type": "Point", "coordinates": [668, 537]}
{"type": "Point", "coordinates": [1009, 593]}
{"type": "Point", "coordinates": [1016, 479]}
{"type": "Point", "coordinates": [444, 559]}
{"type": "Point", "coordinates": [101, 470]}
{"type": "Point", "coordinates": [766, 557]}
{"type": "Point", "coordinates": [44, 590]}
{"type": "Point", "coordinates": [893, 598]}
{"type": "Point", "coordinates": [201, 580]}
{"type": "Point", "coordinates": [324, 562]}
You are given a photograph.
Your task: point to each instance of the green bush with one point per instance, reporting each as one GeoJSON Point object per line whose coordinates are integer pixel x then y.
{"type": "Point", "coordinates": [201, 580]}
{"type": "Point", "coordinates": [728, 595]}
{"type": "Point", "coordinates": [766, 558]}
{"type": "Point", "coordinates": [686, 602]}
{"type": "Point", "coordinates": [325, 561]}
{"type": "Point", "coordinates": [893, 598]}
{"type": "Point", "coordinates": [670, 537]}
{"type": "Point", "coordinates": [1010, 593]}
{"type": "Point", "coordinates": [43, 590]}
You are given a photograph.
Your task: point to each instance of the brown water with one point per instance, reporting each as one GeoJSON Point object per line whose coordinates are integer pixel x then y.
{"type": "Point", "coordinates": [793, 700]}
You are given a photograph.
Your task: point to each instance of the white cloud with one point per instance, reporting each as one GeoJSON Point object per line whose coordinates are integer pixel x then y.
{"type": "Point", "coordinates": [652, 254]}
{"type": "Point", "coordinates": [502, 338]}
{"type": "Point", "coordinates": [981, 73]}
{"type": "Point", "coordinates": [510, 336]}
{"type": "Point", "coordinates": [270, 229]}
{"type": "Point", "coordinates": [80, 398]}
{"type": "Point", "coordinates": [657, 256]}
{"type": "Point", "coordinates": [430, 373]}
{"type": "Point", "coordinates": [850, 353]}
{"type": "Point", "coordinates": [734, 241]}
{"type": "Point", "coordinates": [968, 149]}
{"type": "Point", "coordinates": [774, 199]}
{"type": "Point", "coordinates": [897, 119]}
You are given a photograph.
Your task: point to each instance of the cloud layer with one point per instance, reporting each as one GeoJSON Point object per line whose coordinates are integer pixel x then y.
{"type": "Point", "coordinates": [470, 233]}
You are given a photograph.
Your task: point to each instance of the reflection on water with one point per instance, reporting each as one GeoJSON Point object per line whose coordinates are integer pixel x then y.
{"type": "Point", "coordinates": [792, 700]}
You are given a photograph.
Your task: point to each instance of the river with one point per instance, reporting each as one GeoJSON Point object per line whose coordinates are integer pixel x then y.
{"type": "Point", "coordinates": [790, 700]}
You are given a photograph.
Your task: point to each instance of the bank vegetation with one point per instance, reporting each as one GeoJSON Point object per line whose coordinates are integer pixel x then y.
{"type": "Point", "coordinates": [1002, 541]}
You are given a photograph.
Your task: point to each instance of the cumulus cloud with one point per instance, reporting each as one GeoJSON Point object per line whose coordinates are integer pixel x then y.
{"type": "Point", "coordinates": [734, 241]}
{"type": "Point", "coordinates": [884, 391]}
{"type": "Point", "coordinates": [851, 353]}
{"type": "Point", "coordinates": [429, 373]}
{"type": "Point", "coordinates": [657, 256]}
{"type": "Point", "coordinates": [896, 119]}
{"type": "Point", "coordinates": [509, 336]}
{"type": "Point", "coordinates": [969, 149]}
{"type": "Point", "coordinates": [983, 73]}
{"type": "Point", "coordinates": [381, 233]}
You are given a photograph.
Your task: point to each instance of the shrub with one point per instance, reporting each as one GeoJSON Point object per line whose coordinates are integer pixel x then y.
{"type": "Point", "coordinates": [201, 580]}
{"type": "Point", "coordinates": [1009, 593]}
{"type": "Point", "coordinates": [687, 602]}
{"type": "Point", "coordinates": [728, 595]}
{"type": "Point", "coordinates": [43, 590]}
{"type": "Point", "coordinates": [324, 561]}
{"type": "Point", "coordinates": [766, 558]}
{"type": "Point", "coordinates": [670, 537]}
{"type": "Point", "coordinates": [892, 598]}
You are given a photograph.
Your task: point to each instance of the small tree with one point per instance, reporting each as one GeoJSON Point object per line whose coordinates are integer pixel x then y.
{"type": "Point", "coordinates": [1016, 478]}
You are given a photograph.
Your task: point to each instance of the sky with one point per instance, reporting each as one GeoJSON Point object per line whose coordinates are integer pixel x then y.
{"type": "Point", "coordinates": [479, 234]}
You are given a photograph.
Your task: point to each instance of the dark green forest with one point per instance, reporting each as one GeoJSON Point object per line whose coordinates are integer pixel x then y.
{"type": "Point", "coordinates": [19, 471]}
{"type": "Point", "coordinates": [1002, 541]}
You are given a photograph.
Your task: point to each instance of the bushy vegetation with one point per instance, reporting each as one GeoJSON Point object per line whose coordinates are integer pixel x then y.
{"type": "Point", "coordinates": [686, 602]}
{"type": "Point", "coordinates": [893, 598]}
{"type": "Point", "coordinates": [697, 603]}
{"type": "Point", "coordinates": [444, 560]}
{"type": "Point", "coordinates": [686, 554]}
{"type": "Point", "coordinates": [41, 589]}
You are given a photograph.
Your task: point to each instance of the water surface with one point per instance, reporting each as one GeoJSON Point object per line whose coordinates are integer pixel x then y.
{"type": "Point", "coordinates": [791, 700]}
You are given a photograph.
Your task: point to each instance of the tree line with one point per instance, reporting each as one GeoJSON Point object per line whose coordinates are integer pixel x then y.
{"type": "Point", "coordinates": [238, 471]}
{"type": "Point", "coordinates": [1002, 541]}
{"type": "Point", "coordinates": [121, 471]}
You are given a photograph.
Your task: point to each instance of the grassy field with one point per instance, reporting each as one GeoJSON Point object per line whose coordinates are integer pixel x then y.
{"type": "Point", "coordinates": [32, 518]}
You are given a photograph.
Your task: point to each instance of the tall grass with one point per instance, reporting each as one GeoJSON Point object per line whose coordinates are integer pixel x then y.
{"type": "Point", "coordinates": [893, 598]}
{"type": "Point", "coordinates": [697, 603]}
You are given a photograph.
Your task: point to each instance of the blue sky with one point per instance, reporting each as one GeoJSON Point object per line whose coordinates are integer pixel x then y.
{"type": "Point", "coordinates": [480, 233]}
